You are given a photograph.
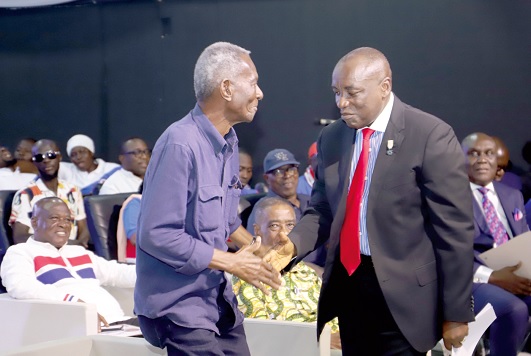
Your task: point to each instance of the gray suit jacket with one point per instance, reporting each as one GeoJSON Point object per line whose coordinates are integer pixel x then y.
{"type": "Point", "coordinates": [419, 222]}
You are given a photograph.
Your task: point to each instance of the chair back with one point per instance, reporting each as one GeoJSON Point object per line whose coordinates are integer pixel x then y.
{"type": "Point", "coordinates": [103, 212]}
{"type": "Point", "coordinates": [6, 234]}
{"type": "Point", "coordinates": [246, 205]}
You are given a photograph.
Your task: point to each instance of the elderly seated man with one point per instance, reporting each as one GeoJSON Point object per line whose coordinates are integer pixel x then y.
{"type": "Point", "coordinates": [297, 299]}
{"type": "Point", "coordinates": [46, 267]}
{"type": "Point", "coordinates": [498, 217]}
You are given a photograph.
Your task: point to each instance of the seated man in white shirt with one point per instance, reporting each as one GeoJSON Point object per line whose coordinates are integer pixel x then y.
{"type": "Point", "coordinates": [46, 267]}
{"type": "Point", "coordinates": [134, 159]}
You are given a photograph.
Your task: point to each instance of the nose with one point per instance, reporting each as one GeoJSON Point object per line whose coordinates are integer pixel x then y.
{"type": "Point", "coordinates": [341, 102]}
{"type": "Point", "coordinates": [259, 93]}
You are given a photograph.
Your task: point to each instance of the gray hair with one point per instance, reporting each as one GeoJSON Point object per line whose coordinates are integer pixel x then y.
{"type": "Point", "coordinates": [267, 202]}
{"type": "Point", "coordinates": [218, 61]}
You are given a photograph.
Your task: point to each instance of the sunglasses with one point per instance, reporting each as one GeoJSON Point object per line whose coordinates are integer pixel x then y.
{"type": "Point", "coordinates": [41, 156]}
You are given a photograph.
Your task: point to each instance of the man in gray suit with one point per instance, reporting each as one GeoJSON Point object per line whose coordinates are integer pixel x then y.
{"type": "Point", "coordinates": [398, 272]}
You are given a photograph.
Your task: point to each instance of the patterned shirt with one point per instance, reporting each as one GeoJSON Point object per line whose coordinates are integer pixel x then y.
{"type": "Point", "coordinates": [296, 301]}
{"type": "Point", "coordinates": [25, 198]}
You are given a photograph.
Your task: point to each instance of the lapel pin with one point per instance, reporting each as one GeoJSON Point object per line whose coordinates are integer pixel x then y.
{"type": "Point", "coordinates": [390, 144]}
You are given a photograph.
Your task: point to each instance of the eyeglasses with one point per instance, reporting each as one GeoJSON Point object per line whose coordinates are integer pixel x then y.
{"type": "Point", "coordinates": [41, 156]}
{"type": "Point", "coordinates": [138, 153]}
{"type": "Point", "coordinates": [281, 172]}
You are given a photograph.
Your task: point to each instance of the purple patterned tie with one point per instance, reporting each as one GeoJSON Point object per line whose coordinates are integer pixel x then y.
{"type": "Point", "coordinates": [495, 225]}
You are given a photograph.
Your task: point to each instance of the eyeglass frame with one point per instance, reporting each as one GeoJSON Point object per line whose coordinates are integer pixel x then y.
{"type": "Point", "coordinates": [138, 152]}
{"type": "Point", "coordinates": [42, 156]}
{"type": "Point", "coordinates": [281, 172]}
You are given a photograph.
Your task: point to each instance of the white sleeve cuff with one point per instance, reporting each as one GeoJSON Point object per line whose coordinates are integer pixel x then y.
{"type": "Point", "coordinates": [482, 274]}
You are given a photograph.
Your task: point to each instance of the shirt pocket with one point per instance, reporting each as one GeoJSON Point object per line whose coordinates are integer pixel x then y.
{"type": "Point", "coordinates": [209, 209]}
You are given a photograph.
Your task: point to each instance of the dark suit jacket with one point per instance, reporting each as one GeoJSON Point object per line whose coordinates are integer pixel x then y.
{"type": "Point", "coordinates": [510, 200]}
{"type": "Point", "coordinates": [419, 221]}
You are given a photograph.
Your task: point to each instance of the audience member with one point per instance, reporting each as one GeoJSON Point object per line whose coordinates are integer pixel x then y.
{"type": "Point", "coordinates": [134, 159]}
{"type": "Point", "coordinates": [281, 175]}
{"type": "Point", "coordinates": [23, 155]}
{"type": "Point", "coordinates": [183, 298]}
{"type": "Point", "coordinates": [392, 199]}
{"type": "Point", "coordinates": [498, 216]}
{"type": "Point", "coordinates": [11, 178]}
{"type": "Point", "coordinates": [306, 180]}
{"type": "Point", "coordinates": [297, 299]}
{"type": "Point", "coordinates": [86, 171]}
{"type": "Point", "coordinates": [23, 150]}
{"type": "Point", "coordinates": [46, 157]}
{"type": "Point", "coordinates": [246, 172]}
{"type": "Point", "coordinates": [503, 173]}
{"type": "Point", "coordinates": [46, 267]}
{"type": "Point", "coordinates": [127, 227]}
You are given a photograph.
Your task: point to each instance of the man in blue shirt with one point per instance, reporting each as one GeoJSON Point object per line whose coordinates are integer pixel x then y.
{"type": "Point", "coordinates": [183, 298]}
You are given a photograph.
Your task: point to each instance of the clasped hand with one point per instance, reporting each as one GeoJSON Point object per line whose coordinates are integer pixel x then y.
{"type": "Point", "coordinates": [255, 270]}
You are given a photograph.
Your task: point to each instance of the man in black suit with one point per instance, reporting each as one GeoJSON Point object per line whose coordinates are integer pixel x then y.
{"type": "Point", "coordinates": [414, 227]}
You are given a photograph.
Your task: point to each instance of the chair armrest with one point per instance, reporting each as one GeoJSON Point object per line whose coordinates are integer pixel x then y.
{"type": "Point", "coordinates": [30, 321]}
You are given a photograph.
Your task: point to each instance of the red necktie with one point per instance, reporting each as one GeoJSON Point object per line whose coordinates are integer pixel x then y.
{"type": "Point", "coordinates": [350, 231]}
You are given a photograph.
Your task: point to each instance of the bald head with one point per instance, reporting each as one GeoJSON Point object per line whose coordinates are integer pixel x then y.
{"type": "Point", "coordinates": [368, 62]}
{"type": "Point", "coordinates": [481, 160]}
{"type": "Point", "coordinates": [362, 85]}
{"type": "Point", "coordinates": [47, 144]}
{"type": "Point", "coordinates": [51, 221]}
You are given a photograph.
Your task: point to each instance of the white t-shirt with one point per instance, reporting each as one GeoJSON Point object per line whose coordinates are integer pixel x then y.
{"type": "Point", "coordinates": [70, 173]}
{"type": "Point", "coordinates": [121, 181]}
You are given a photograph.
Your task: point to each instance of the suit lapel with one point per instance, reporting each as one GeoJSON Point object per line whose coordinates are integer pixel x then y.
{"type": "Point", "coordinates": [507, 206]}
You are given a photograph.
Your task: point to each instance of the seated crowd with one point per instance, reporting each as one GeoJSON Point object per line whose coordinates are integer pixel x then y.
{"type": "Point", "coordinates": [41, 227]}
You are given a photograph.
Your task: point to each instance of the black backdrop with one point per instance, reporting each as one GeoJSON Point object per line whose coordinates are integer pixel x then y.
{"type": "Point", "coordinates": [124, 68]}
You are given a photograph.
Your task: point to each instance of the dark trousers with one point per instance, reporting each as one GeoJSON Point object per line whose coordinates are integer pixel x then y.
{"type": "Point", "coordinates": [179, 340]}
{"type": "Point", "coordinates": [366, 325]}
{"type": "Point", "coordinates": [507, 332]}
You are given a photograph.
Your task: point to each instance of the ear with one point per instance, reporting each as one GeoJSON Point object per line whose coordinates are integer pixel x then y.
{"type": "Point", "coordinates": [257, 230]}
{"type": "Point", "coordinates": [386, 86]}
{"type": "Point", "coordinates": [225, 89]}
{"type": "Point", "coordinates": [33, 222]}
{"type": "Point", "coordinates": [121, 159]}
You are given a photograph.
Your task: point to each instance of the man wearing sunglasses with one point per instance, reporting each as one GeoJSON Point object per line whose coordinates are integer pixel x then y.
{"type": "Point", "coordinates": [134, 158]}
{"type": "Point", "coordinates": [46, 157]}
